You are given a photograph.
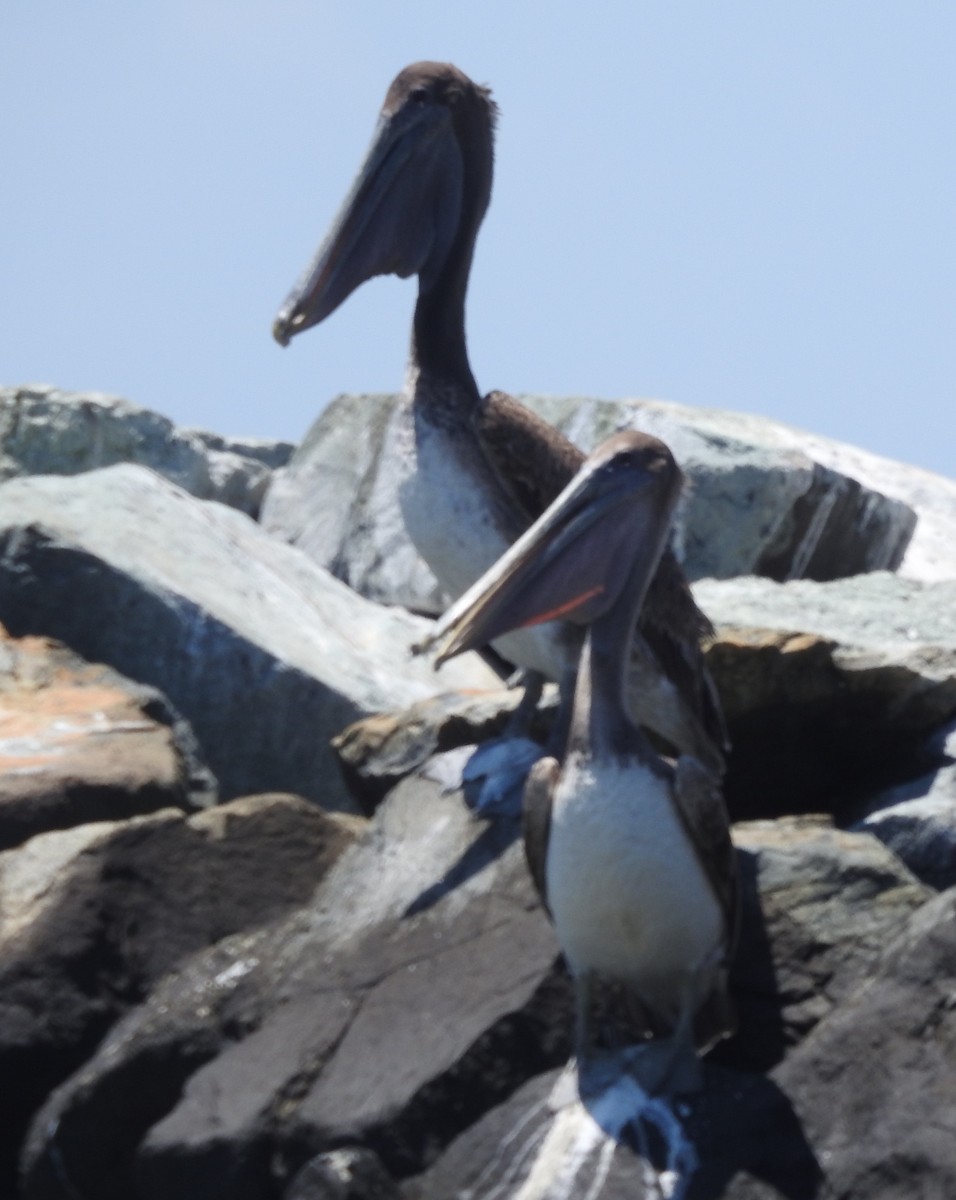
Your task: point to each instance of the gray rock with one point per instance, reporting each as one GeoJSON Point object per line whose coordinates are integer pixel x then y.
{"type": "Point", "coordinates": [264, 653]}
{"type": "Point", "coordinates": [886, 1133]}
{"type": "Point", "coordinates": [739, 1139]}
{"type": "Point", "coordinates": [336, 501]}
{"type": "Point", "coordinates": [874, 1086]}
{"type": "Point", "coordinates": [829, 901]}
{"type": "Point", "coordinates": [758, 502]}
{"type": "Point", "coordinates": [82, 743]}
{"type": "Point", "coordinates": [45, 431]}
{"type": "Point", "coordinates": [409, 991]}
{"type": "Point", "coordinates": [877, 618]}
{"type": "Point", "coordinates": [350, 1174]}
{"type": "Point", "coordinates": [415, 992]}
{"type": "Point", "coordinates": [379, 751]}
{"type": "Point", "coordinates": [917, 819]}
{"type": "Point", "coordinates": [272, 454]}
{"type": "Point", "coordinates": [830, 690]}
{"type": "Point", "coordinates": [931, 554]}
{"type": "Point", "coordinates": [922, 832]}
{"type": "Point", "coordinates": [92, 917]}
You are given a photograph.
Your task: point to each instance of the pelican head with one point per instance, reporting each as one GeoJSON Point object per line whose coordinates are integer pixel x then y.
{"type": "Point", "coordinates": [417, 202]}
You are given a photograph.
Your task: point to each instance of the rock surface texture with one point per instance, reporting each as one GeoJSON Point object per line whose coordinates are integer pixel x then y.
{"type": "Point", "coordinates": [213, 985]}
{"type": "Point", "coordinates": [265, 654]}
{"type": "Point", "coordinates": [81, 743]}
{"type": "Point", "coordinates": [47, 431]}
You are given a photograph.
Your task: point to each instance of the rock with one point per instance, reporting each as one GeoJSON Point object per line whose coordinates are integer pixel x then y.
{"type": "Point", "coordinates": [415, 992]}
{"type": "Point", "coordinates": [747, 1136]}
{"type": "Point", "coordinates": [261, 651]}
{"type": "Point", "coordinates": [412, 992]}
{"type": "Point", "coordinates": [917, 819]}
{"type": "Point", "coordinates": [351, 1174]}
{"type": "Point", "coordinates": [79, 742]}
{"type": "Point", "coordinates": [92, 917]}
{"type": "Point", "coordinates": [922, 833]}
{"type": "Point", "coordinates": [830, 690]}
{"type": "Point", "coordinates": [930, 555]}
{"type": "Point", "coordinates": [336, 501]}
{"type": "Point", "coordinates": [546, 1142]}
{"type": "Point", "coordinates": [829, 901]}
{"type": "Point", "coordinates": [379, 751]}
{"type": "Point", "coordinates": [45, 431]}
{"type": "Point", "coordinates": [759, 503]}
{"type": "Point", "coordinates": [874, 1086]}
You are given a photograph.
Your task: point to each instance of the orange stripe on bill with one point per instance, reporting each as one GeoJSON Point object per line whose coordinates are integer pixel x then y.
{"type": "Point", "coordinates": [567, 607]}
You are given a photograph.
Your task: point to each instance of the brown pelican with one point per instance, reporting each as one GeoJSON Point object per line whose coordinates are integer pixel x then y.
{"type": "Point", "coordinates": [473, 472]}
{"type": "Point", "coordinates": [631, 851]}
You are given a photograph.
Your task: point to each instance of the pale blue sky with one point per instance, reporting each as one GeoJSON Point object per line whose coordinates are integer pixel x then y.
{"type": "Point", "coordinates": [747, 205]}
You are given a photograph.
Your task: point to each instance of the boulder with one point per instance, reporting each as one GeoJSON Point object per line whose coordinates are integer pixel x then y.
{"type": "Point", "coordinates": [79, 742]}
{"type": "Point", "coordinates": [830, 690]}
{"type": "Point", "coordinates": [265, 654]}
{"type": "Point", "coordinates": [46, 431]}
{"type": "Point", "coordinates": [92, 917]}
{"type": "Point", "coordinates": [336, 501]}
{"type": "Point", "coordinates": [379, 751]}
{"type": "Point", "coordinates": [862, 1108]}
{"type": "Point", "coordinates": [874, 1086]}
{"type": "Point", "coordinates": [738, 1140]}
{"type": "Point", "coordinates": [417, 990]}
{"type": "Point", "coordinates": [347, 1174]}
{"type": "Point", "coordinates": [412, 991]}
{"type": "Point", "coordinates": [758, 502]}
{"type": "Point", "coordinates": [917, 819]}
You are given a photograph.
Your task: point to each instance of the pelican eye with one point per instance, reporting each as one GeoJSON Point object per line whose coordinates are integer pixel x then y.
{"type": "Point", "coordinates": [418, 94]}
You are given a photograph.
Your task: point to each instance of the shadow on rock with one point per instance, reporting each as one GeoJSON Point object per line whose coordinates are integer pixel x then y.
{"type": "Point", "coordinates": [739, 1138]}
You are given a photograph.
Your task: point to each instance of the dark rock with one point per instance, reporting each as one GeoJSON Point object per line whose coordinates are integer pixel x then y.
{"type": "Point", "coordinates": [416, 991]}
{"type": "Point", "coordinates": [874, 1086]}
{"type": "Point", "coordinates": [379, 751]}
{"type": "Point", "coordinates": [353, 1174]}
{"type": "Point", "coordinates": [82, 743]}
{"type": "Point", "coordinates": [747, 1136]}
{"type": "Point", "coordinates": [917, 819]}
{"type": "Point", "coordinates": [92, 917]}
{"type": "Point", "coordinates": [922, 832]}
{"type": "Point", "coordinates": [830, 690]}
{"type": "Point", "coordinates": [819, 906]}
{"type": "Point", "coordinates": [739, 1140]}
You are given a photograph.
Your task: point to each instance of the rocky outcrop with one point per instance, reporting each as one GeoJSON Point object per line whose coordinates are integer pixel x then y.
{"type": "Point", "coordinates": [917, 819]}
{"type": "Point", "coordinates": [760, 503]}
{"type": "Point", "coordinates": [831, 691]}
{"type": "Point", "coordinates": [263, 1000]}
{"type": "Point", "coordinates": [47, 431]}
{"type": "Point", "coordinates": [374, 1013]}
{"type": "Point", "coordinates": [92, 917]}
{"type": "Point", "coordinates": [418, 988]}
{"type": "Point", "coordinates": [81, 743]}
{"type": "Point", "coordinates": [265, 654]}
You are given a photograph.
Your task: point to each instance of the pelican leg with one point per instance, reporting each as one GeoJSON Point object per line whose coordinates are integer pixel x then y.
{"type": "Point", "coordinates": [680, 1070]}
{"type": "Point", "coordinates": [519, 723]}
{"type": "Point", "coordinates": [582, 1017]}
{"type": "Point", "coordinates": [561, 729]}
